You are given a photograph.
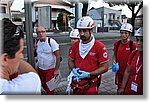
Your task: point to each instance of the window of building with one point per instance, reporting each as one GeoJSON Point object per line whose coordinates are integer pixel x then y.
{"type": "Point", "coordinates": [105, 16]}
{"type": "Point", "coordinates": [2, 9]}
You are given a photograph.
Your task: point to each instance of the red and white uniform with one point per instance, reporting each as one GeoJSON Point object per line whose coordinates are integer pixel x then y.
{"type": "Point", "coordinates": [122, 58]}
{"type": "Point", "coordinates": [97, 55]}
{"type": "Point", "coordinates": [135, 82]}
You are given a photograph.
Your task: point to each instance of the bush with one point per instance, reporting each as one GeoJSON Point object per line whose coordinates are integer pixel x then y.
{"type": "Point", "coordinates": [16, 19]}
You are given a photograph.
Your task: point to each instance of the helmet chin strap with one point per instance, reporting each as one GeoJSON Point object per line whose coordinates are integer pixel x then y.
{"type": "Point", "coordinates": [89, 36]}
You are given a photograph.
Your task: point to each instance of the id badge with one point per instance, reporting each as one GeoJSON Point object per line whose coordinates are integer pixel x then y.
{"type": "Point", "coordinates": [134, 86]}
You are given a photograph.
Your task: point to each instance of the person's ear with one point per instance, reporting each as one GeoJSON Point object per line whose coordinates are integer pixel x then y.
{"type": "Point", "coordinates": [3, 59]}
{"type": "Point", "coordinates": [91, 30]}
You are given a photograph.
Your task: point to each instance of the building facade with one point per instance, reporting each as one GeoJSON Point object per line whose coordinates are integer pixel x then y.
{"type": "Point", "coordinates": [45, 13]}
{"type": "Point", "coordinates": [5, 8]}
{"type": "Point", "coordinates": [105, 19]}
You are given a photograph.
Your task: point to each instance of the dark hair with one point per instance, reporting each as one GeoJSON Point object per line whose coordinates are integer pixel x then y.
{"type": "Point", "coordinates": [11, 37]}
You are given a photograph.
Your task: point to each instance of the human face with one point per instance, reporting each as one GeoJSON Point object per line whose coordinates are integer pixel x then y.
{"type": "Point", "coordinates": [13, 63]}
{"type": "Point", "coordinates": [139, 43]}
{"type": "Point", "coordinates": [124, 35]}
{"type": "Point", "coordinates": [41, 33]}
{"type": "Point", "coordinates": [84, 35]}
{"type": "Point", "coordinates": [73, 40]}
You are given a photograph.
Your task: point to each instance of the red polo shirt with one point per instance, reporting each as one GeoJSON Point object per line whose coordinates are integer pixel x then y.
{"type": "Point", "coordinates": [135, 64]}
{"type": "Point", "coordinates": [96, 56]}
{"type": "Point", "coordinates": [123, 54]}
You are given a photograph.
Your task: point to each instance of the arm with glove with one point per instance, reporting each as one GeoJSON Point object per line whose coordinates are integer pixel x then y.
{"type": "Point", "coordinates": [83, 74]}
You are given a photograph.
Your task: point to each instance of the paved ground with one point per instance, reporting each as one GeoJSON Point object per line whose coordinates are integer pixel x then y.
{"type": "Point", "coordinates": [107, 85]}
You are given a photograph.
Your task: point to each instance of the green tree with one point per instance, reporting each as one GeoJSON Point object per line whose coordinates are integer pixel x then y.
{"type": "Point", "coordinates": [16, 19]}
{"type": "Point", "coordinates": [62, 21]}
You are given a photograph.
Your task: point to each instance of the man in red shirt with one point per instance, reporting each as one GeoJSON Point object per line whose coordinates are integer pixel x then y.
{"type": "Point", "coordinates": [122, 50]}
{"type": "Point", "coordinates": [133, 77]}
{"type": "Point", "coordinates": [88, 59]}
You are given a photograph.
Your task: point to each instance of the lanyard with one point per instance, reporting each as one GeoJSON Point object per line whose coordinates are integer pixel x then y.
{"type": "Point", "coordinates": [137, 68]}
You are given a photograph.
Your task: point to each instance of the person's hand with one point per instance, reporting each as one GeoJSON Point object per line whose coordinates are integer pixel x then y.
{"type": "Point", "coordinates": [56, 72]}
{"type": "Point", "coordinates": [75, 71]}
{"type": "Point", "coordinates": [120, 91]}
{"type": "Point", "coordinates": [83, 74]}
{"type": "Point", "coordinates": [115, 67]}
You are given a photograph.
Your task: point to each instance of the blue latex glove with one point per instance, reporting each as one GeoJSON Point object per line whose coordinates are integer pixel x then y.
{"type": "Point", "coordinates": [115, 67]}
{"type": "Point", "coordinates": [75, 71]}
{"type": "Point", "coordinates": [76, 79]}
{"type": "Point", "coordinates": [76, 74]}
{"type": "Point", "coordinates": [83, 74]}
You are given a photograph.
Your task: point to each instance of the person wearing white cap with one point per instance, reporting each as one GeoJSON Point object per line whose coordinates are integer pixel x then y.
{"type": "Point", "coordinates": [74, 36]}
{"type": "Point", "coordinates": [133, 77]}
{"type": "Point", "coordinates": [88, 59]}
{"type": "Point", "coordinates": [122, 49]}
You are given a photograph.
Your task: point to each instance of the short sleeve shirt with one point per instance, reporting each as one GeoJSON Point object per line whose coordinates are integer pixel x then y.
{"type": "Point", "coordinates": [45, 54]}
{"type": "Point", "coordinates": [95, 57]}
{"type": "Point", "coordinates": [28, 83]}
{"type": "Point", "coordinates": [123, 54]}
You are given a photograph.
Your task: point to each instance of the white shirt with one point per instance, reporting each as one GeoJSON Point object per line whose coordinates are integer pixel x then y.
{"type": "Point", "coordinates": [45, 56]}
{"type": "Point", "coordinates": [28, 83]}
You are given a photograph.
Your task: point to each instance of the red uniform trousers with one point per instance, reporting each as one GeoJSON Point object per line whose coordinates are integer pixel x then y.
{"type": "Point", "coordinates": [45, 76]}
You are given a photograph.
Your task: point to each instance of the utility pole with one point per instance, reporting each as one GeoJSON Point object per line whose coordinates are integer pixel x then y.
{"type": "Point", "coordinates": [76, 13]}
{"type": "Point", "coordinates": [29, 32]}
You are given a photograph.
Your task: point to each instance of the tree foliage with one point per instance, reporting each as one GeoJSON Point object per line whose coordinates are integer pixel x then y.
{"type": "Point", "coordinates": [16, 19]}
{"type": "Point", "coordinates": [131, 5]}
{"type": "Point", "coordinates": [62, 21]}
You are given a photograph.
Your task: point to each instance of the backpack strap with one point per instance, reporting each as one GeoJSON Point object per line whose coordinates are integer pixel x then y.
{"type": "Point", "coordinates": [117, 47]}
{"type": "Point", "coordinates": [49, 41]}
{"type": "Point", "coordinates": [36, 41]}
{"type": "Point", "coordinates": [131, 44]}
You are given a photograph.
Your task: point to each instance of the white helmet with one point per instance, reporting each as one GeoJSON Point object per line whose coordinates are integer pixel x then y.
{"type": "Point", "coordinates": [126, 27]}
{"type": "Point", "coordinates": [139, 32]}
{"type": "Point", "coordinates": [74, 33]}
{"type": "Point", "coordinates": [85, 22]}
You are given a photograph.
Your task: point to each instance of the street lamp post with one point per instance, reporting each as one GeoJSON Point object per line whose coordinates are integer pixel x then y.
{"type": "Point", "coordinates": [29, 32]}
